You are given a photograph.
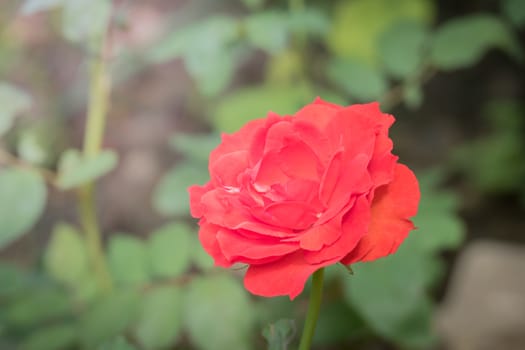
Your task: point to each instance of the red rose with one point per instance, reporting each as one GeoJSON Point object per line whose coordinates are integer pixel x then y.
{"type": "Point", "coordinates": [289, 195]}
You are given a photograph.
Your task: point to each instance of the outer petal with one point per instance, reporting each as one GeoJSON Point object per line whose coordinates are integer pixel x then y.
{"type": "Point", "coordinates": [372, 110]}
{"type": "Point", "coordinates": [286, 276]}
{"type": "Point", "coordinates": [223, 208]}
{"type": "Point", "coordinates": [196, 192]}
{"type": "Point", "coordinates": [239, 248]}
{"type": "Point", "coordinates": [392, 207]}
{"type": "Point", "coordinates": [319, 113]}
{"type": "Point", "coordinates": [226, 210]}
{"type": "Point", "coordinates": [381, 166]}
{"type": "Point", "coordinates": [246, 138]}
{"type": "Point", "coordinates": [208, 237]}
{"type": "Point", "coordinates": [237, 141]}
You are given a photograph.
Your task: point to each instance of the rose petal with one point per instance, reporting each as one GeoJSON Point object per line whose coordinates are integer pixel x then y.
{"type": "Point", "coordinates": [196, 192]}
{"type": "Point", "coordinates": [320, 101]}
{"type": "Point", "coordinates": [331, 177]}
{"type": "Point", "coordinates": [392, 207]}
{"type": "Point", "coordinates": [279, 134]}
{"type": "Point", "coordinates": [354, 225]}
{"type": "Point", "coordinates": [337, 189]}
{"type": "Point", "coordinates": [318, 113]}
{"type": "Point", "coordinates": [299, 161]}
{"type": "Point", "coordinates": [353, 132]}
{"type": "Point", "coordinates": [291, 214]}
{"type": "Point", "coordinates": [208, 238]}
{"type": "Point", "coordinates": [298, 190]}
{"type": "Point", "coordinates": [286, 276]}
{"type": "Point", "coordinates": [265, 230]}
{"type": "Point", "coordinates": [226, 210]}
{"type": "Point", "coordinates": [237, 141]}
{"type": "Point", "coordinates": [372, 110]}
{"type": "Point", "coordinates": [223, 209]}
{"type": "Point", "coordinates": [294, 160]}
{"type": "Point", "coordinates": [314, 138]}
{"type": "Point", "coordinates": [319, 236]}
{"type": "Point", "coordinates": [381, 166]}
{"type": "Point", "coordinates": [238, 248]}
{"type": "Point", "coordinates": [269, 172]}
{"type": "Point", "coordinates": [227, 168]}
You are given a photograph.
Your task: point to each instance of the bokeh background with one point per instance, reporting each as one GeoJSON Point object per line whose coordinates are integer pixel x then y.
{"type": "Point", "coordinates": [182, 72]}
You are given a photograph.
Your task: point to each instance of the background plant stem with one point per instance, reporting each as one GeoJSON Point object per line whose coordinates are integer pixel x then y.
{"type": "Point", "coordinates": [96, 120]}
{"type": "Point", "coordinates": [313, 310]}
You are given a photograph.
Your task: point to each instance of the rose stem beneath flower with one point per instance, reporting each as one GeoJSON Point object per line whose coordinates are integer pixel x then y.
{"type": "Point", "coordinates": [313, 310]}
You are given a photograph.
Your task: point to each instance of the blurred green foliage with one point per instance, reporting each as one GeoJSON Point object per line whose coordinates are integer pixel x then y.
{"type": "Point", "coordinates": [495, 163]}
{"type": "Point", "coordinates": [166, 291]}
{"type": "Point", "coordinates": [22, 199]}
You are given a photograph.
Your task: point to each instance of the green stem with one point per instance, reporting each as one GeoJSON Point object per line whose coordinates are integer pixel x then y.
{"type": "Point", "coordinates": [96, 120]}
{"type": "Point", "coordinates": [313, 310]}
{"type": "Point", "coordinates": [98, 104]}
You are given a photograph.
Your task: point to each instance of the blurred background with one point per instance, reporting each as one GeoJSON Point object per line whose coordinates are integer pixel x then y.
{"type": "Point", "coordinates": [182, 72]}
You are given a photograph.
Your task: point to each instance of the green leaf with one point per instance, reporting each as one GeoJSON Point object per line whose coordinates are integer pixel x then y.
{"type": "Point", "coordinates": [218, 314]}
{"type": "Point", "coordinates": [30, 148]}
{"type": "Point", "coordinates": [211, 34]}
{"type": "Point", "coordinates": [66, 257]}
{"type": "Point", "coordinates": [401, 48]}
{"type": "Point", "coordinates": [75, 169]}
{"type": "Point", "coordinates": [12, 102]}
{"type": "Point", "coordinates": [169, 250]}
{"type": "Point", "coordinates": [160, 322]}
{"type": "Point", "coordinates": [268, 30]}
{"type": "Point", "coordinates": [207, 50]}
{"type": "Point", "coordinates": [309, 21]}
{"type": "Point", "coordinates": [12, 281]}
{"type": "Point", "coordinates": [32, 6]}
{"type": "Point", "coordinates": [22, 199]}
{"type": "Point", "coordinates": [358, 24]}
{"type": "Point", "coordinates": [40, 304]}
{"type": "Point", "coordinates": [171, 194]}
{"type": "Point", "coordinates": [109, 317]}
{"type": "Point", "coordinates": [212, 71]}
{"type": "Point", "coordinates": [515, 11]}
{"type": "Point", "coordinates": [389, 294]}
{"type": "Point", "coordinates": [55, 337]}
{"type": "Point", "coordinates": [247, 104]}
{"type": "Point", "coordinates": [85, 21]}
{"type": "Point", "coordinates": [501, 169]}
{"type": "Point", "coordinates": [195, 147]}
{"type": "Point", "coordinates": [280, 334]}
{"type": "Point", "coordinates": [128, 259]}
{"type": "Point", "coordinates": [439, 226]}
{"type": "Point", "coordinates": [463, 41]}
{"type": "Point", "coordinates": [358, 80]}
{"type": "Point", "coordinates": [119, 343]}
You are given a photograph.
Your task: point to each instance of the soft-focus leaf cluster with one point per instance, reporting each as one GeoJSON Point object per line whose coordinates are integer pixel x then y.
{"type": "Point", "coordinates": [166, 292]}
